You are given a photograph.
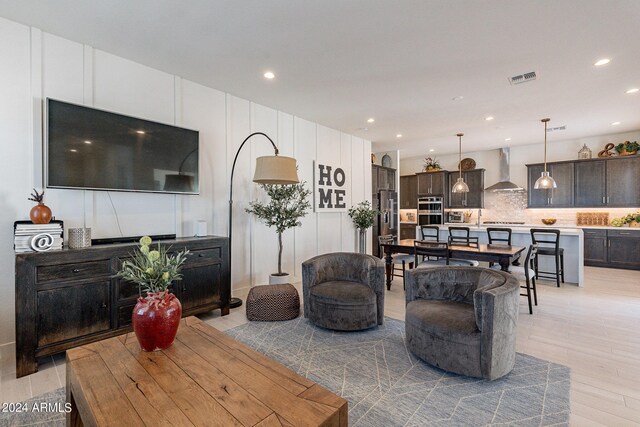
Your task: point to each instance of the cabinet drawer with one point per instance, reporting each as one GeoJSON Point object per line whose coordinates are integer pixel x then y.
{"type": "Point", "coordinates": [625, 233]}
{"type": "Point", "coordinates": [203, 256]}
{"type": "Point", "coordinates": [79, 270]}
{"type": "Point", "coordinates": [73, 311]}
{"type": "Point", "coordinates": [594, 233]}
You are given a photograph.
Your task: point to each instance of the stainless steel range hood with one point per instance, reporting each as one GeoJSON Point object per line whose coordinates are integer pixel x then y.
{"type": "Point", "coordinates": [505, 183]}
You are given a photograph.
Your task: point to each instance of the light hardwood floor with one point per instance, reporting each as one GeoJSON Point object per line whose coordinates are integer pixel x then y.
{"type": "Point", "coordinates": [595, 330]}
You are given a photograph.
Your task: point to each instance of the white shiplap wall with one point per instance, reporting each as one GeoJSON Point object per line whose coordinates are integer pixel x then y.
{"type": "Point", "coordinates": [37, 65]}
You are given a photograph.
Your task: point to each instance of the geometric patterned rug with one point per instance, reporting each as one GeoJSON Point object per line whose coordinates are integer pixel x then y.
{"type": "Point", "coordinates": [387, 386]}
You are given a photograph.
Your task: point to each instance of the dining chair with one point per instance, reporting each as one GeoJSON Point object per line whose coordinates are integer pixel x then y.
{"type": "Point", "coordinates": [526, 274]}
{"type": "Point", "coordinates": [397, 258]}
{"type": "Point", "coordinates": [548, 241]}
{"type": "Point", "coordinates": [430, 232]}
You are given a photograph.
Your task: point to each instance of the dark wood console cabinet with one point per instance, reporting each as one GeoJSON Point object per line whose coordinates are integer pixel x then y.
{"type": "Point", "coordinates": [70, 297]}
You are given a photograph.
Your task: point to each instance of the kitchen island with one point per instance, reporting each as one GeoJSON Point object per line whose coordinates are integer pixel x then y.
{"type": "Point", "coordinates": [571, 239]}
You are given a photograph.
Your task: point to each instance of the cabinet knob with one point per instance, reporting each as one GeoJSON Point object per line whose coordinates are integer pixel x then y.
{"type": "Point", "coordinates": [76, 270]}
{"type": "Point", "coordinates": [103, 305]}
{"type": "Point", "coordinates": [201, 255]}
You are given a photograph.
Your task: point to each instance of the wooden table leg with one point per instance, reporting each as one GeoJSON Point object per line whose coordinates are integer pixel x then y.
{"type": "Point", "coordinates": [388, 265]}
{"type": "Point", "coordinates": [504, 264]}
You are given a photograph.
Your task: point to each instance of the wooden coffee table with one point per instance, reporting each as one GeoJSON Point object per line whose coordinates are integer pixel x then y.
{"type": "Point", "coordinates": [205, 378]}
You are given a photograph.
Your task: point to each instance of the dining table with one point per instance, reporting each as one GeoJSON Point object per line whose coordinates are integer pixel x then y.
{"type": "Point", "coordinates": [495, 253]}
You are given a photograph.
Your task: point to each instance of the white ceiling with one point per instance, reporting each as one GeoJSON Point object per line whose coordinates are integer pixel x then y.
{"type": "Point", "coordinates": [339, 62]}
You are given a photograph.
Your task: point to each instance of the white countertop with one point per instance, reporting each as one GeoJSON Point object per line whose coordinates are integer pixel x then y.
{"type": "Point", "coordinates": [516, 229]}
{"type": "Point", "coordinates": [563, 226]}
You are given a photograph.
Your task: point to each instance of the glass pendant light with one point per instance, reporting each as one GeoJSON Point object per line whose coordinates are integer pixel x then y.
{"type": "Point", "coordinates": [545, 181]}
{"type": "Point", "coordinates": [460, 186]}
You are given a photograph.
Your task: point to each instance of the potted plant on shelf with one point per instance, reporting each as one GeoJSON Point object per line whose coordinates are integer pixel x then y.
{"type": "Point", "coordinates": [287, 205]}
{"type": "Point", "coordinates": [632, 219]}
{"type": "Point", "coordinates": [363, 216]}
{"type": "Point", "coordinates": [156, 316]}
{"type": "Point", "coordinates": [431, 165]}
{"type": "Point", "coordinates": [627, 148]}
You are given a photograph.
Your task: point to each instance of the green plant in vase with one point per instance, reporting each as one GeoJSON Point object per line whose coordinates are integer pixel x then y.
{"type": "Point", "coordinates": [157, 314]}
{"type": "Point", "coordinates": [363, 217]}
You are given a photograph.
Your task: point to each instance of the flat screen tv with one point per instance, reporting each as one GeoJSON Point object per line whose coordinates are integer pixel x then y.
{"type": "Point", "coordinates": [93, 149]}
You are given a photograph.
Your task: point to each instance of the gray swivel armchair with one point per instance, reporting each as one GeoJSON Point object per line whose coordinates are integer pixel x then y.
{"type": "Point", "coordinates": [344, 291]}
{"type": "Point", "coordinates": [463, 319]}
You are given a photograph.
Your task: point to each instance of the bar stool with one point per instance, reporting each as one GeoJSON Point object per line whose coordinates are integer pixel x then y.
{"type": "Point", "coordinates": [460, 236]}
{"type": "Point", "coordinates": [430, 232]}
{"type": "Point", "coordinates": [548, 241]}
{"type": "Point", "coordinates": [527, 274]}
{"type": "Point", "coordinates": [499, 235]}
{"type": "Point", "coordinates": [397, 259]}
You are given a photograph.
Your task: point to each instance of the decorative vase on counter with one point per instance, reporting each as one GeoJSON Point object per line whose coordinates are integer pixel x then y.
{"type": "Point", "coordinates": [40, 213]}
{"type": "Point", "coordinates": [156, 318]}
{"type": "Point", "coordinates": [362, 241]}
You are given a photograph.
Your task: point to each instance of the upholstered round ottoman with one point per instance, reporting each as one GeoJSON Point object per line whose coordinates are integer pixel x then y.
{"type": "Point", "coordinates": [273, 302]}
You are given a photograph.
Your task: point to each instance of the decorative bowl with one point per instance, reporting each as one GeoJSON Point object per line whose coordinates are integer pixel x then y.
{"type": "Point", "coordinates": [549, 221]}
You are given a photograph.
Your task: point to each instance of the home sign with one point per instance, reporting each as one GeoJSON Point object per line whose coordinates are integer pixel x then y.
{"type": "Point", "coordinates": [330, 185]}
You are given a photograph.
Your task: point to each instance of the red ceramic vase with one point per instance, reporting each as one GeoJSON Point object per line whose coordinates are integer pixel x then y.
{"type": "Point", "coordinates": [156, 318]}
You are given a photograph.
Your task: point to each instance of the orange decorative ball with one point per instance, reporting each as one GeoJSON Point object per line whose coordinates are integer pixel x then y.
{"type": "Point", "coordinates": [40, 214]}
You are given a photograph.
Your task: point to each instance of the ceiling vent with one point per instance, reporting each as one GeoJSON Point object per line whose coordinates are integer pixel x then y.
{"type": "Point", "coordinates": [557, 128]}
{"type": "Point", "coordinates": [522, 78]}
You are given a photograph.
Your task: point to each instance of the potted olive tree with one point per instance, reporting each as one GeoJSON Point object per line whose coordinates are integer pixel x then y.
{"type": "Point", "coordinates": [286, 206]}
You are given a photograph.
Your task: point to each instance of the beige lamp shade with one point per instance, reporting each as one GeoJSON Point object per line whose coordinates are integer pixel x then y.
{"type": "Point", "coordinates": [276, 170]}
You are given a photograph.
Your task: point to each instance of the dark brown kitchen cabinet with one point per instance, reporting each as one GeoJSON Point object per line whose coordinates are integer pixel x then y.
{"type": "Point", "coordinates": [474, 199]}
{"type": "Point", "coordinates": [612, 248]}
{"type": "Point", "coordinates": [590, 183]}
{"type": "Point", "coordinates": [383, 178]}
{"type": "Point", "coordinates": [407, 231]}
{"type": "Point", "coordinates": [560, 197]}
{"type": "Point", "coordinates": [71, 297]}
{"type": "Point", "coordinates": [623, 182]}
{"type": "Point", "coordinates": [623, 249]}
{"type": "Point", "coordinates": [595, 247]}
{"type": "Point", "coordinates": [432, 183]}
{"type": "Point", "coordinates": [409, 192]}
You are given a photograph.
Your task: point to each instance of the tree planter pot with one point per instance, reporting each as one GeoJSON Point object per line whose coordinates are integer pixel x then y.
{"type": "Point", "coordinates": [277, 279]}
{"type": "Point", "coordinates": [156, 318]}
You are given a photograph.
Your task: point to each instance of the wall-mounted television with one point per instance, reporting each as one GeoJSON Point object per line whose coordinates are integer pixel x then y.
{"type": "Point", "coordinates": [87, 148]}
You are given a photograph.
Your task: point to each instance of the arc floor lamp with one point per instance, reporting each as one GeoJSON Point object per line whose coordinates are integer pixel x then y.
{"type": "Point", "coordinates": [269, 170]}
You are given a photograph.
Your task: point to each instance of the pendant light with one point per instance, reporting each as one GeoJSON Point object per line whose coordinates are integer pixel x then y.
{"type": "Point", "coordinates": [545, 181]}
{"type": "Point", "coordinates": [460, 186]}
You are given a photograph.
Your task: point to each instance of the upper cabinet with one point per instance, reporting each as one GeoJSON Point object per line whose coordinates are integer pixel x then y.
{"type": "Point", "coordinates": [560, 197]}
{"type": "Point", "coordinates": [409, 192]}
{"type": "Point", "coordinates": [588, 183]}
{"type": "Point", "coordinates": [382, 178]}
{"type": "Point", "coordinates": [474, 199]}
{"type": "Point", "coordinates": [432, 183]}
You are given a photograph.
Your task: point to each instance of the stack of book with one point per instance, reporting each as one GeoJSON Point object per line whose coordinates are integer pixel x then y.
{"type": "Point", "coordinates": [29, 237]}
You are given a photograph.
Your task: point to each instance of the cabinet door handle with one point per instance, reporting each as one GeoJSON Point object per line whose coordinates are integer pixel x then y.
{"type": "Point", "coordinates": [608, 199]}
{"type": "Point", "coordinates": [609, 243]}
{"type": "Point", "coordinates": [603, 200]}
{"type": "Point", "coordinates": [625, 232]}
{"type": "Point", "coordinates": [103, 305]}
{"type": "Point", "coordinates": [201, 255]}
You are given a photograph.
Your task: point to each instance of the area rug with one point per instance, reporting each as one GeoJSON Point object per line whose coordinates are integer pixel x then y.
{"type": "Point", "coordinates": [387, 386]}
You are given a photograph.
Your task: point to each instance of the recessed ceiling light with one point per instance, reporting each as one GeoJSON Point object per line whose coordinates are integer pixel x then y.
{"type": "Point", "coordinates": [141, 132]}
{"type": "Point", "coordinates": [269, 75]}
{"type": "Point", "coordinates": [603, 61]}
{"type": "Point", "coordinates": [457, 98]}
{"type": "Point", "coordinates": [615, 123]}
{"type": "Point", "coordinates": [371, 120]}
{"type": "Point", "coordinates": [488, 118]}
{"type": "Point", "coordinates": [432, 150]}
{"type": "Point", "coordinates": [399, 135]}
{"type": "Point", "coordinates": [73, 150]}
{"type": "Point", "coordinates": [87, 142]}
{"type": "Point", "coordinates": [507, 139]}
{"type": "Point", "coordinates": [634, 90]}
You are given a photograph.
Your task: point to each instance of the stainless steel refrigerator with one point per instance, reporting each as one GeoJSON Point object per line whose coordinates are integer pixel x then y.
{"type": "Point", "coordinates": [387, 222]}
